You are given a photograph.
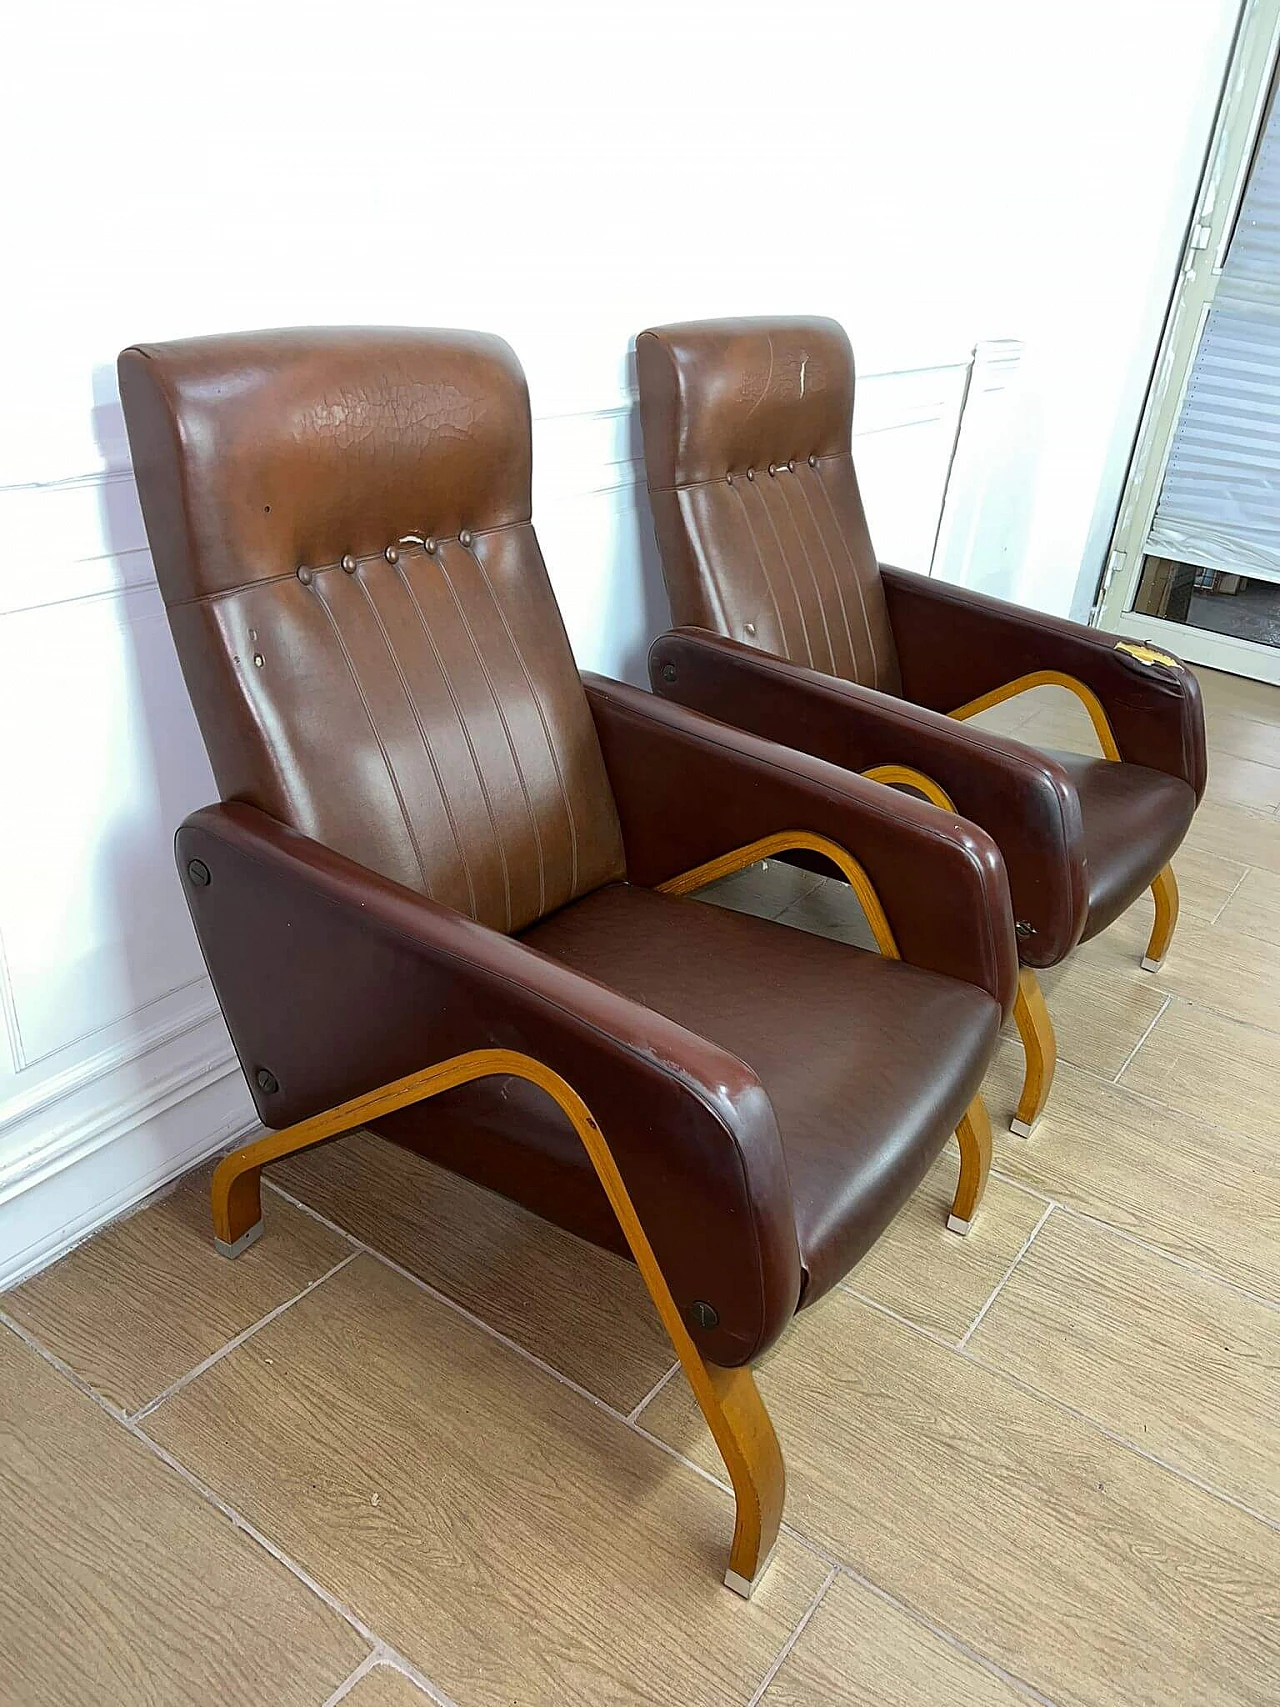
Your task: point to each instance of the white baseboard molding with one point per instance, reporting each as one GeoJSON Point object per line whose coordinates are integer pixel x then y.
{"type": "Point", "coordinates": [71, 1195]}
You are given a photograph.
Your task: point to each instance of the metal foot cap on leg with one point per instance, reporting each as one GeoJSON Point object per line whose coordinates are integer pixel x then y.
{"type": "Point", "coordinates": [1149, 965]}
{"type": "Point", "coordinates": [957, 1224]}
{"type": "Point", "coordinates": [741, 1585]}
{"type": "Point", "coordinates": [240, 1245]}
{"type": "Point", "coordinates": [1023, 1128]}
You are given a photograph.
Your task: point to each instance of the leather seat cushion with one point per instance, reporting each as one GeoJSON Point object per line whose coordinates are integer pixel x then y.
{"type": "Point", "coordinates": [869, 1065]}
{"type": "Point", "coordinates": [1134, 820]}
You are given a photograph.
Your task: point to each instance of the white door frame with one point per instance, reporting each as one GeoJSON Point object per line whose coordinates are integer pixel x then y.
{"type": "Point", "coordinates": [1241, 111]}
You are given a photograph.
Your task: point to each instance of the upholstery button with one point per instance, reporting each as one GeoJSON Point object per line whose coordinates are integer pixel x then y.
{"type": "Point", "coordinates": [773, 470]}
{"type": "Point", "coordinates": [429, 546]}
{"type": "Point", "coordinates": [304, 575]}
{"type": "Point", "coordinates": [751, 474]}
{"type": "Point", "coordinates": [748, 628]}
{"type": "Point", "coordinates": [791, 466]}
{"type": "Point", "coordinates": [729, 477]}
{"type": "Point", "coordinates": [813, 462]}
{"type": "Point", "coordinates": [464, 538]}
{"type": "Point", "coordinates": [391, 554]}
{"type": "Point", "coordinates": [349, 563]}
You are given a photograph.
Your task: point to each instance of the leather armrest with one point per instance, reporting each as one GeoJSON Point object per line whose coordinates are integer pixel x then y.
{"type": "Point", "coordinates": [689, 789]}
{"type": "Point", "coordinates": [1022, 798]}
{"type": "Point", "coordinates": [955, 645]}
{"type": "Point", "coordinates": [336, 981]}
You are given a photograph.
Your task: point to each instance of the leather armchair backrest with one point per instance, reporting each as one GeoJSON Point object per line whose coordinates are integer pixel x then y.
{"type": "Point", "coordinates": [340, 523]}
{"type": "Point", "coordinates": [760, 524]}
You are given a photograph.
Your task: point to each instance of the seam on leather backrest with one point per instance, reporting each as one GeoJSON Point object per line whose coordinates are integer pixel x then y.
{"type": "Point", "coordinates": [768, 581]}
{"type": "Point", "coordinates": [319, 568]}
{"type": "Point", "coordinates": [779, 485]}
{"type": "Point", "coordinates": [718, 479]}
{"type": "Point", "coordinates": [466, 736]}
{"type": "Point", "coordinates": [506, 730]}
{"type": "Point", "coordinates": [426, 745]}
{"type": "Point", "coordinates": [857, 579]}
{"type": "Point", "coordinates": [542, 718]}
{"type": "Point", "coordinates": [835, 577]}
{"type": "Point", "coordinates": [377, 735]}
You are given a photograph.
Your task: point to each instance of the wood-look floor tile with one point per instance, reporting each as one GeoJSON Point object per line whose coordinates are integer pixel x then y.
{"type": "Point", "coordinates": [830, 909]}
{"type": "Point", "coordinates": [1245, 737]}
{"type": "Point", "coordinates": [506, 1536]}
{"type": "Point", "coordinates": [936, 1278]}
{"type": "Point", "coordinates": [1206, 882]}
{"type": "Point", "coordinates": [148, 1298]}
{"type": "Point", "coordinates": [1254, 908]}
{"type": "Point", "coordinates": [1238, 696]}
{"type": "Point", "coordinates": [1236, 833]}
{"type": "Point", "coordinates": [1213, 1067]}
{"type": "Point", "coordinates": [386, 1687]}
{"type": "Point", "coordinates": [765, 889]}
{"type": "Point", "coordinates": [1243, 782]}
{"type": "Point", "coordinates": [1089, 1572]}
{"type": "Point", "coordinates": [1099, 1010]}
{"type": "Point", "coordinates": [1181, 1365]}
{"type": "Point", "coordinates": [119, 1584]}
{"type": "Point", "coordinates": [584, 1310]}
{"type": "Point", "coordinates": [859, 1650]}
{"type": "Point", "coordinates": [1211, 966]}
{"type": "Point", "coordinates": [1209, 1196]}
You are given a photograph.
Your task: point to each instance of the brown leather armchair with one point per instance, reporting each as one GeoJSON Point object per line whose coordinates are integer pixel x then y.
{"type": "Point", "coordinates": [791, 629]}
{"type": "Point", "coordinates": [443, 896]}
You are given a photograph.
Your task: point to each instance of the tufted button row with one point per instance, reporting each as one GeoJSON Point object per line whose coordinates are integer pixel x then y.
{"type": "Point", "coordinates": [350, 564]}
{"type": "Point", "coordinates": [775, 468]}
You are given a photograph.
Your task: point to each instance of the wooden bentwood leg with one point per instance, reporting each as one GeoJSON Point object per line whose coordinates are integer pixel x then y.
{"type": "Point", "coordinates": [1165, 890]}
{"type": "Point", "coordinates": [974, 1138]}
{"type": "Point", "coordinates": [1041, 1049]}
{"type": "Point", "coordinates": [729, 1398]}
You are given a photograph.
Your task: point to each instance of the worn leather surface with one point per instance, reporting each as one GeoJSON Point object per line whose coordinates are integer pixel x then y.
{"type": "Point", "coordinates": [1022, 798]}
{"type": "Point", "coordinates": [955, 645]}
{"type": "Point", "coordinates": [755, 500]}
{"type": "Point", "coordinates": [339, 981]}
{"type": "Point", "coordinates": [416, 709]}
{"type": "Point", "coordinates": [939, 878]}
{"type": "Point", "coordinates": [892, 1055]}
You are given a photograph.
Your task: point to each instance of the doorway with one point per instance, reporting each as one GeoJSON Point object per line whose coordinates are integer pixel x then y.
{"type": "Point", "coordinates": [1195, 558]}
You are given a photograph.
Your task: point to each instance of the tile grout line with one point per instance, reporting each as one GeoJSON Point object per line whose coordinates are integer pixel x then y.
{"type": "Point", "coordinates": [780, 1658]}
{"type": "Point", "coordinates": [1128, 1061]}
{"type": "Point", "coordinates": [1198, 1269]}
{"type": "Point", "coordinates": [967, 1335]}
{"type": "Point", "coordinates": [957, 1643]}
{"type": "Point", "coordinates": [1239, 883]}
{"type": "Point", "coordinates": [1183, 1475]}
{"type": "Point", "coordinates": [238, 1340]}
{"type": "Point", "coordinates": [653, 1392]}
{"type": "Point", "coordinates": [369, 1663]}
{"type": "Point", "coordinates": [893, 1315]}
{"type": "Point", "coordinates": [227, 1511]}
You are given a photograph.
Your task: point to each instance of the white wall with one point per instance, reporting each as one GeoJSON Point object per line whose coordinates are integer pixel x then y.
{"type": "Point", "coordinates": [565, 174]}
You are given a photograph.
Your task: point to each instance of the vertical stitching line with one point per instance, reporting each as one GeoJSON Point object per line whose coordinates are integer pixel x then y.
{"type": "Point", "coordinates": [542, 718]}
{"type": "Point", "coordinates": [506, 729]}
{"type": "Point", "coordinates": [835, 522]}
{"type": "Point", "coordinates": [386, 757]}
{"type": "Point", "coordinates": [782, 628]}
{"type": "Point", "coordinates": [466, 736]}
{"type": "Point", "coordinates": [795, 591]}
{"type": "Point", "coordinates": [426, 745]}
{"type": "Point", "coordinates": [844, 611]}
{"type": "Point", "coordinates": [817, 591]}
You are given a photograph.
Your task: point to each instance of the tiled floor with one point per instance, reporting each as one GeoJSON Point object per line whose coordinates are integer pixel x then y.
{"type": "Point", "coordinates": [416, 1442]}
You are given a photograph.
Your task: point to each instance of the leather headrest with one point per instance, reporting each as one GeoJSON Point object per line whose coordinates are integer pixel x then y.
{"type": "Point", "coordinates": [259, 452]}
{"type": "Point", "coordinates": [721, 396]}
